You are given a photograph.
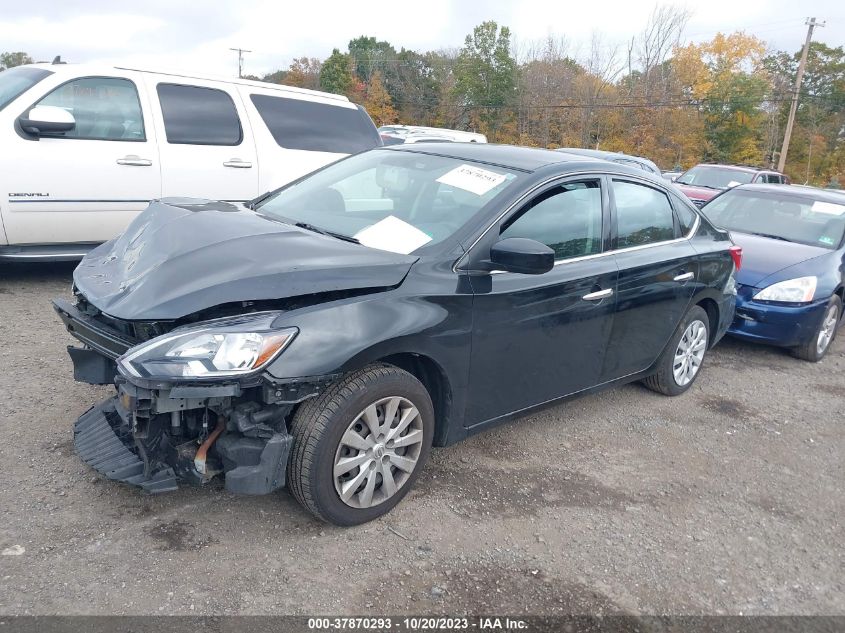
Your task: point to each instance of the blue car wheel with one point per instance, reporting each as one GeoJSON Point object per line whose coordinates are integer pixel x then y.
{"type": "Point", "coordinates": [819, 344]}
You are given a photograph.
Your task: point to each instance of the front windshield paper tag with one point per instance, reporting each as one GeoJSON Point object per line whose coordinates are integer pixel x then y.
{"type": "Point", "coordinates": [473, 179]}
{"type": "Point", "coordinates": [394, 235]}
{"type": "Point", "coordinates": [829, 208]}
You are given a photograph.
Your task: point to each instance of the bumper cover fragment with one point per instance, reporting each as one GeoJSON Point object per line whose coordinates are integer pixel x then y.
{"type": "Point", "coordinates": [100, 443]}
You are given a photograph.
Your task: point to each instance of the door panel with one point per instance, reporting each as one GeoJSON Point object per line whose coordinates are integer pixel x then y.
{"type": "Point", "coordinates": [540, 337]}
{"type": "Point", "coordinates": [536, 338]}
{"type": "Point", "coordinates": [653, 293]}
{"type": "Point", "coordinates": [87, 185]}
{"type": "Point", "coordinates": [207, 148]}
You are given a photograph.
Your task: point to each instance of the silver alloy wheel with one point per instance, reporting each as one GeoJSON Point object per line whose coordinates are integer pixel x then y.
{"type": "Point", "coordinates": [831, 318]}
{"type": "Point", "coordinates": [690, 353]}
{"type": "Point", "coordinates": [378, 452]}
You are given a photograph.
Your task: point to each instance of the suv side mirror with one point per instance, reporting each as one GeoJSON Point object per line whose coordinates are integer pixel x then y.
{"type": "Point", "coordinates": [521, 255]}
{"type": "Point", "coordinates": [43, 120]}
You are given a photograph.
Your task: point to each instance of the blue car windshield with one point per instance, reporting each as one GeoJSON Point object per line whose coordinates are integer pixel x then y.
{"type": "Point", "coordinates": [792, 218]}
{"type": "Point", "coordinates": [15, 81]}
{"type": "Point", "coordinates": [391, 200]}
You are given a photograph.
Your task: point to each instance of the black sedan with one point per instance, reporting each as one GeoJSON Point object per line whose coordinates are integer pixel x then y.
{"type": "Point", "coordinates": [328, 334]}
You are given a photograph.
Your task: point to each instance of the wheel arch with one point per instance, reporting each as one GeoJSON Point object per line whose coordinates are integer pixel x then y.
{"type": "Point", "coordinates": [712, 309]}
{"type": "Point", "coordinates": [435, 380]}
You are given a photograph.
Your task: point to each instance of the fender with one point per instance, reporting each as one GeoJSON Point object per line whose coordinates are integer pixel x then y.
{"type": "Point", "coordinates": [341, 336]}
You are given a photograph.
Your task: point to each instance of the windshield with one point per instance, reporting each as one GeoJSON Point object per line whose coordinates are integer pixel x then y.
{"type": "Point", "coordinates": [715, 177]}
{"type": "Point", "coordinates": [16, 81]}
{"type": "Point", "coordinates": [392, 200]}
{"type": "Point", "coordinates": [791, 218]}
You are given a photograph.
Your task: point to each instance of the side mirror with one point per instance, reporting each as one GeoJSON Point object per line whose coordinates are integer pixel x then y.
{"type": "Point", "coordinates": [43, 120]}
{"type": "Point", "coordinates": [521, 255]}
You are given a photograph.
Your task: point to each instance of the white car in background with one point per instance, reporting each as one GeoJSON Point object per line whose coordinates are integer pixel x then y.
{"type": "Point", "coordinates": [85, 148]}
{"type": "Point", "coordinates": [396, 134]}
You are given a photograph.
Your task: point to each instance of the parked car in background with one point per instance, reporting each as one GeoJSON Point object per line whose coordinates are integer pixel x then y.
{"type": "Point", "coordinates": [703, 182]}
{"type": "Point", "coordinates": [615, 157]}
{"type": "Point", "coordinates": [85, 148]}
{"type": "Point", "coordinates": [790, 287]}
{"type": "Point", "coordinates": [403, 297]}
{"type": "Point", "coordinates": [399, 134]}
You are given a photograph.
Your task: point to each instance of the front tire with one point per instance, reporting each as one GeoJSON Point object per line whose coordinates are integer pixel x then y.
{"type": "Point", "coordinates": [680, 363]}
{"type": "Point", "coordinates": [817, 347]}
{"type": "Point", "coordinates": [359, 447]}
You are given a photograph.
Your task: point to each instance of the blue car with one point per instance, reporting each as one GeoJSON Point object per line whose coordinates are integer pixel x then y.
{"type": "Point", "coordinates": [790, 285]}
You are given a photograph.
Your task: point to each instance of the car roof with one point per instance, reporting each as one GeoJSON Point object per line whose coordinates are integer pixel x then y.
{"type": "Point", "coordinates": [747, 168]}
{"type": "Point", "coordinates": [824, 195]}
{"type": "Point", "coordinates": [511, 156]}
{"type": "Point", "coordinates": [104, 69]}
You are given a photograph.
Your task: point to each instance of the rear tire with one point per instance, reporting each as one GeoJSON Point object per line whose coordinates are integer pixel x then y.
{"type": "Point", "coordinates": [680, 364]}
{"type": "Point", "coordinates": [817, 347]}
{"type": "Point", "coordinates": [349, 463]}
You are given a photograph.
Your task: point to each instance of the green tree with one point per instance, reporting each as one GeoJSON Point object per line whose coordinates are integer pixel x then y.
{"type": "Point", "coordinates": [485, 76]}
{"type": "Point", "coordinates": [336, 73]}
{"type": "Point", "coordinates": [10, 60]}
{"type": "Point", "coordinates": [815, 152]}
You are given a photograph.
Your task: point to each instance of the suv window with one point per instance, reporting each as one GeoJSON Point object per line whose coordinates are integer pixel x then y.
{"type": "Point", "coordinates": [318, 127]}
{"type": "Point", "coordinates": [567, 219]}
{"type": "Point", "coordinates": [194, 115]}
{"type": "Point", "coordinates": [643, 215]}
{"type": "Point", "coordinates": [105, 108]}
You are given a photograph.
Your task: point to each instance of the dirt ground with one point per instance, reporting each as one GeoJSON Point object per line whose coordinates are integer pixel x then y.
{"type": "Point", "coordinates": [727, 500]}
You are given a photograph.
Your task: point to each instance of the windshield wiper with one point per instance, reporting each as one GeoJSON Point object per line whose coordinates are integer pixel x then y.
{"type": "Point", "coordinates": [695, 184]}
{"type": "Point", "coordinates": [317, 229]}
{"type": "Point", "coordinates": [771, 236]}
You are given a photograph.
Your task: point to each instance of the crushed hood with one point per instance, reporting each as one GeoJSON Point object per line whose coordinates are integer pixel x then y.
{"type": "Point", "coordinates": [181, 256]}
{"type": "Point", "coordinates": [763, 256]}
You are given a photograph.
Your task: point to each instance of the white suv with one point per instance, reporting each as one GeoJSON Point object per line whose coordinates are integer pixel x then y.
{"type": "Point", "coordinates": [85, 148]}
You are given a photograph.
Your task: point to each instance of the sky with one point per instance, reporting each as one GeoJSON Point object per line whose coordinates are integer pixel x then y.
{"type": "Point", "coordinates": [196, 36]}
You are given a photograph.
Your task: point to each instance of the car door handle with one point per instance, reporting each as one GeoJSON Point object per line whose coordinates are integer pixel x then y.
{"type": "Point", "coordinates": [237, 163]}
{"type": "Point", "coordinates": [598, 295]}
{"type": "Point", "coordinates": [685, 277]}
{"type": "Point", "coordinates": [135, 161]}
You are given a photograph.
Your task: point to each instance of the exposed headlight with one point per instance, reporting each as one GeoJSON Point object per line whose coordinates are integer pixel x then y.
{"type": "Point", "coordinates": [799, 290]}
{"type": "Point", "coordinates": [227, 347]}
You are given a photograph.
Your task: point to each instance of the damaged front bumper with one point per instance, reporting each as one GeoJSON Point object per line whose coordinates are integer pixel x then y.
{"type": "Point", "coordinates": [156, 434]}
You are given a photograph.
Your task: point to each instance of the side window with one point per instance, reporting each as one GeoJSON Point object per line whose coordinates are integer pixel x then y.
{"type": "Point", "coordinates": [314, 126]}
{"type": "Point", "coordinates": [105, 109]}
{"type": "Point", "coordinates": [643, 215]}
{"type": "Point", "coordinates": [567, 219]}
{"type": "Point", "coordinates": [685, 215]}
{"type": "Point", "coordinates": [199, 116]}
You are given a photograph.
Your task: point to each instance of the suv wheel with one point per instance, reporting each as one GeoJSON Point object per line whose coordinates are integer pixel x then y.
{"type": "Point", "coordinates": [681, 362]}
{"type": "Point", "coordinates": [359, 447]}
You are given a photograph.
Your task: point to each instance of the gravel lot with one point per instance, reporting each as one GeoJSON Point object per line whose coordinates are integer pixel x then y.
{"type": "Point", "coordinates": [728, 499]}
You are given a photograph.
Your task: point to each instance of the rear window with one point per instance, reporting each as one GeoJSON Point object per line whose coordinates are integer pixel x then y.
{"type": "Point", "coordinates": [15, 81]}
{"type": "Point", "coordinates": [317, 127]}
{"type": "Point", "coordinates": [199, 116]}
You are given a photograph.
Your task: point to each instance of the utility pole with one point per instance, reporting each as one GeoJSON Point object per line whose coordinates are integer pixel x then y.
{"type": "Point", "coordinates": [240, 52]}
{"type": "Point", "coordinates": [811, 24]}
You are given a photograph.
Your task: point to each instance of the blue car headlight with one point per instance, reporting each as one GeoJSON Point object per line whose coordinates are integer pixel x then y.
{"type": "Point", "coordinates": [222, 348]}
{"type": "Point", "coordinates": [798, 290]}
